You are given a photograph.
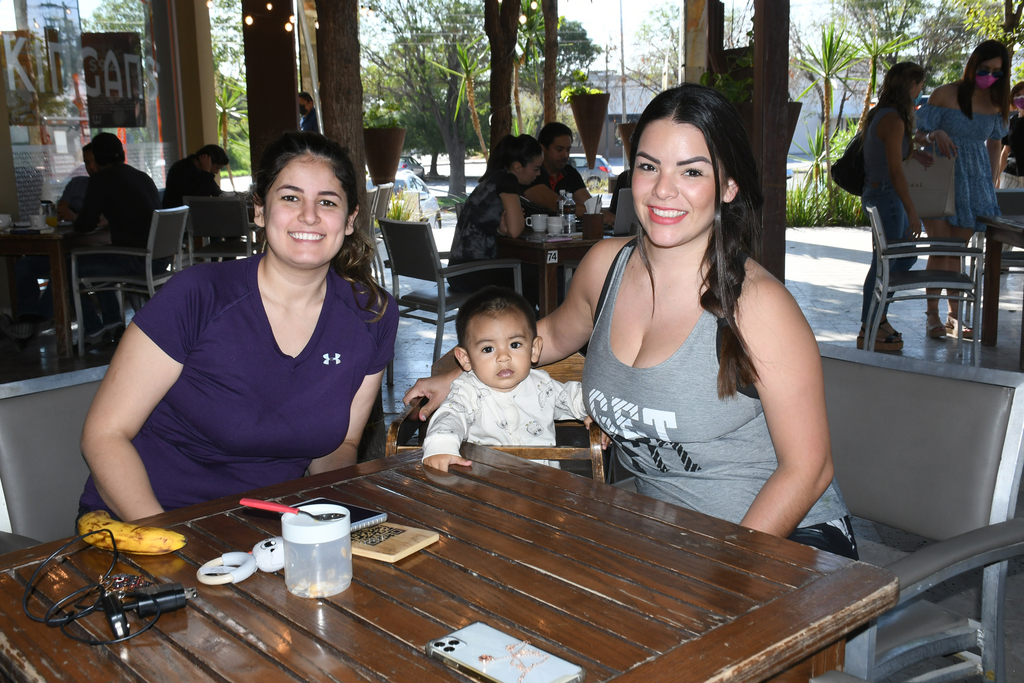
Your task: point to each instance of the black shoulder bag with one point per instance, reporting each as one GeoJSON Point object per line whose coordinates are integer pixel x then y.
{"type": "Point", "coordinates": [848, 171]}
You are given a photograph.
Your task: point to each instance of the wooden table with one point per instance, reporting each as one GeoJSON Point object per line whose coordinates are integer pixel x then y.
{"type": "Point", "coordinates": [547, 256]}
{"type": "Point", "coordinates": [629, 588]}
{"type": "Point", "coordinates": [56, 245]}
{"type": "Point", "coordinates": [999, 230]}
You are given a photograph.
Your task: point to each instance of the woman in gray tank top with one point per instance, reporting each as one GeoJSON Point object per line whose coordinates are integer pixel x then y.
{"type": "Point", "coordinates": [701, 366]}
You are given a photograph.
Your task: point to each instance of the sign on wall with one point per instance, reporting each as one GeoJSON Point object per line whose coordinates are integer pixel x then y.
{"type": "Point", "coordinates": [113, 79]}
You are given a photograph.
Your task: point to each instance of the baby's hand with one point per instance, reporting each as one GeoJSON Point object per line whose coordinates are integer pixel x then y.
{"type": "Point", "coordinates": [441, 461]}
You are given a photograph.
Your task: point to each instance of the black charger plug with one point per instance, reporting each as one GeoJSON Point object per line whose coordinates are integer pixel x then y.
{"type": "Point", "coordinates": [146, 602]}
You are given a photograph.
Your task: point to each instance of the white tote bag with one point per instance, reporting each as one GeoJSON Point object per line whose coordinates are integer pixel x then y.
{"type": "Point", "coordinates": [932, 189]}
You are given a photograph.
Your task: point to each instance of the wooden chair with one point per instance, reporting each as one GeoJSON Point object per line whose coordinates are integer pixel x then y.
{"type": "Point", "coordinates": [573, 442]}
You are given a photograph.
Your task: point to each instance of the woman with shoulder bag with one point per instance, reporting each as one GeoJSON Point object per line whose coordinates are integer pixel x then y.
{"type": "Point", "coordinates": [1012, 175]}
{"type": "Point", "coordinates": [974, 111]}
{"type": "Point", "coordinates": [888, 132]}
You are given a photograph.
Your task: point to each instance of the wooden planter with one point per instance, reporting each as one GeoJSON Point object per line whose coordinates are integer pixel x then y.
{"type": "Point", "coordinates": [746, 110]}
{"type": "Point", "coordinates": [625, 133]}
{"type": "Point", "coordinates": [383, 149]}
{"type": "Point", "coordinates": [590, 113]}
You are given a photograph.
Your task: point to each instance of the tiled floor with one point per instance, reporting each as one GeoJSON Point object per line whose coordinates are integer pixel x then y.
{"type": "Point", "coordinates": [825, 271]}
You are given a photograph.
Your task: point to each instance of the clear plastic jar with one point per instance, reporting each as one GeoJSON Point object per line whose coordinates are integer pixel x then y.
{"type": "Point", "coordinates": [317, 555]}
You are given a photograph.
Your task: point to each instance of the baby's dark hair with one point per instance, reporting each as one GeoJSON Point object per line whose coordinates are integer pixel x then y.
{"type": "Point", "coordinates": [493, 300]}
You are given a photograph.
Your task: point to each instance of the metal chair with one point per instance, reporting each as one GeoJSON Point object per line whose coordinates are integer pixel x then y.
{"type": "Point", "coordinates": [572, 440]}
{"type": "Point", "coordinates": [218, 217]}
{"type": "Point", "coordinates": [900, 286]}
{"type": "Point", "coordinates": [166, 232]}
{"type": "Point", "coordinates": [41, 466]}
{"type": "Point", "coordinates": [945, 470]}
{"type": "Point", "coordinates": [378, 210]}
{"type": "Point", "coordinates": [413, 254]}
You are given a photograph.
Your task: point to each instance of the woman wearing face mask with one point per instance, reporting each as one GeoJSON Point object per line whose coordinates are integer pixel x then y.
{"type": "Point", "coordinates": [1012, 176]}
{"type": "Point", "coordinates": [974, 111]}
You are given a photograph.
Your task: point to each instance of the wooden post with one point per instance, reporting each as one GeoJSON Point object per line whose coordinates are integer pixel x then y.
{"type": "Point", "coordinates": [771, 145]}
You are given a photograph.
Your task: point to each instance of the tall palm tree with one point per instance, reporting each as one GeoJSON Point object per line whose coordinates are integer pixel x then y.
{"type": "Point", "coordinates": [873, 48]}
{"type": "Point", "coordinates": [231, 104]}
{"type": "Point", "coordinates": [470, 67]}
{"type": "Point", "coordinates": [830, 60]}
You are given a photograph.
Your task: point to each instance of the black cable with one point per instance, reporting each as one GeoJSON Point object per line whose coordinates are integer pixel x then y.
{"type": "Point", "coordinates": [152, 600]}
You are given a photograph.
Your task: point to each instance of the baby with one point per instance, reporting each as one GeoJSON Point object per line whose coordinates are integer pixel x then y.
{"type": "Point", "coordinates": [500, 400]}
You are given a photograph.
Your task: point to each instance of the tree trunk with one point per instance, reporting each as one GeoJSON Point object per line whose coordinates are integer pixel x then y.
{"type": "Point", "coordinates": [341, 110]}
{"type": "Point", "coordinates": [433, 164]}
{"type": "Point", "coordinates": [872, 84]}
{"type": "Point", "coordinates": [501, 22]}
{"type": "Point", "coordinates": [550, 8]}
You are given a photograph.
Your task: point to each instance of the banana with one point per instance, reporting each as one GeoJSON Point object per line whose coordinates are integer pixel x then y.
{"type": "Point", "coordinates": [130, 538]}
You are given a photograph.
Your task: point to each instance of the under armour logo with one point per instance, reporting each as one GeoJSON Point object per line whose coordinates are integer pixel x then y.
{"type": "Point", "coordinates": [328, 359]}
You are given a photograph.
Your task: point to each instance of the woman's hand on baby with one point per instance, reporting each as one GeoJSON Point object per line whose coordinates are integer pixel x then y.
{"type": "Point", "coordinates": [442, 461]}
{"type": "Point", "coordinates": [605, 439]}
{"type": "Point", "coordinates": [435, 389]}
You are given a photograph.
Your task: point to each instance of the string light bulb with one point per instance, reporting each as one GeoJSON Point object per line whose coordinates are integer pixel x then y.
{"type": "Point", "coordinates": [248, 21]}
{"type": "Point", "coordinates": [533, 5]}
{"type": "Point", "coordinates": [209, 4]}
{"type": "Point", "coordinates": [316, 25]}
{"type": "Point", "coordinates": [288, 27]}
{"type": "Point", "coordinates": [270, 6]}
{"type": "Point", "coordinates": [522, 18]}
{"type": "Point", "coordinates": [291, 19]}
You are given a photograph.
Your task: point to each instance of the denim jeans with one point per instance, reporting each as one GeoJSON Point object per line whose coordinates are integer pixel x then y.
{"type": "Point", "coordinates": [30, 269]}
{"type": "Point", "coordinates": [896, 227]}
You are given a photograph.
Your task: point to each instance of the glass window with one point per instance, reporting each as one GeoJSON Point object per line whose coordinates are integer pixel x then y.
{"type": "Point", "coordinates": [74, 69]}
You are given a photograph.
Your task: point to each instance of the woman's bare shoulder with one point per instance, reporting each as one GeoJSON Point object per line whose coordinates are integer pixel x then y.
{"type": "Point", "coordinates": [945, 96]}
{"type": "Point", "coordinates": [764, 301]}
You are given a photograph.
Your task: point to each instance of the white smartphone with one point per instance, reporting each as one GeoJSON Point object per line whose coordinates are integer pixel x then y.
{"type": "Point", "coordinates": [497, 657]}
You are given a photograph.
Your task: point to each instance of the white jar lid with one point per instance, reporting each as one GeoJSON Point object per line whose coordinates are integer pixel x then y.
{"type": "Point", "coordinates": [304, 529]}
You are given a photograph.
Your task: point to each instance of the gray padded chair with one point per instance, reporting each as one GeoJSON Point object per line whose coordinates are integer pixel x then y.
{"type": "Point", "coordinates": [218, 217]}
{"type": "Point", "coordinates": [413, 254]}
{"type": "Point", "coordinates": [165, 242]}
{"type": "Point", "coordinates": [42, 470]}
{"type": "Point", "coordinates": [956, 486]}
{"type": "Point", "coordinates": [960, 286]}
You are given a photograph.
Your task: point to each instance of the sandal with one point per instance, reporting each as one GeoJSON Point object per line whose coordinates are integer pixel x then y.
{"type": "Point", "coordinates": [936, 330]}
{"type": "Point", "coordinates": [951, 324]}
{"type": "Point", "coordinates": [888, 329]}
{"type": "Point", "coordinates": [883, 340]}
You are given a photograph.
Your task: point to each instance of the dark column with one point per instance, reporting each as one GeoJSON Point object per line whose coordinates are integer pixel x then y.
{"type": "Point", "coordinates": [270, 77]}
{"type": "Point", "coordinates": [770, 142]}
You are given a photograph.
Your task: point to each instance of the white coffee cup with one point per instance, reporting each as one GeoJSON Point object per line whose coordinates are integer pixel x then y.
{"type": "Point", "coordinates": [37, 221]}
{"type": "Point", "coordinates": [554, 225]}
{"type": "Point", "coordinates": [538, 222]}
{"type": "Point", "coordinates": [5, 220]}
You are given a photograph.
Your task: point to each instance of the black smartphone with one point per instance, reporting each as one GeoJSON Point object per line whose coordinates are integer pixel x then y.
{"type": "Point", "coordinates": [360, 517]}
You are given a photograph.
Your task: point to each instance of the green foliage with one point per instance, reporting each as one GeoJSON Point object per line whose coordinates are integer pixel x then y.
{"type": "Point", "coordinates": [809, 206]}
{"type": "Point", "coordinates": [404, 206]}
{"type": "Point", "coordinates": [735, 89]}
{"type": "Point", "coordinates": [233, 124]}
{"type": "Point", "coordinates": [381, 113]}
{"type": "Point", "coordinates": [578, 86]}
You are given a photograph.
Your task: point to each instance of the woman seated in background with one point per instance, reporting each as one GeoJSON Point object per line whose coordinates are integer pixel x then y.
{"type": "Point", "coordinates": [494, 209]}
{"type": "Point", "coordinates": [888, 131]}
{"type": "Point", "coordinates": [974, 111]}
{"type": "Point", "coordinates": [249, 372]}
{"type": "Point", "coordinates": [1012, 175]}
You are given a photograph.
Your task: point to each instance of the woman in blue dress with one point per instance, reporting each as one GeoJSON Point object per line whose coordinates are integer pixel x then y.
{"type": "Point", "coordinates": [974, 112]}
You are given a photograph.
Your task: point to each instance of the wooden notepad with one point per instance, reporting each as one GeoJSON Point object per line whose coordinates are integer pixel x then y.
{"type": "Point", "coordinates": [390, 542]}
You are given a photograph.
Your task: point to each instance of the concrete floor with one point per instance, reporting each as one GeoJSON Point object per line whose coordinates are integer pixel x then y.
{"type": "Point", "coordinates": [825, 272]}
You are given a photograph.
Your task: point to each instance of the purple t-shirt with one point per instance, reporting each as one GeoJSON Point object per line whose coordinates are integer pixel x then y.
{"type": "Point", "coordinates": [242, 414]}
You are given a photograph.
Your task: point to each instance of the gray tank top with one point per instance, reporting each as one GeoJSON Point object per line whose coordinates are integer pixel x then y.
{"type": "Point", "coordinates": [684, 444]}
{"type": "Point", "coordinates": [876, 166]}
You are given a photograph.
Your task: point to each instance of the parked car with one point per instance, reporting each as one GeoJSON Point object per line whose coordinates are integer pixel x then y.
{"type": "Point", "coordinates": [430, 210]}
{"type": "Point", "coordinates": [410, 164]}
{"type": "Point", "coordinates": [599, 178]}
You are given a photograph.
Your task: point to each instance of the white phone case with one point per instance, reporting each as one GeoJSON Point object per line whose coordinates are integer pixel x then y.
{"type": "Point", "coordinates": [499, 658]}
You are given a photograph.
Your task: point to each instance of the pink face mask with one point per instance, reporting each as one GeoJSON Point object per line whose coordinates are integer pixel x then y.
{"type": "Point", "coordinates": [985, 82]}
{"type": "Point", "coordinates": [1019, 103]}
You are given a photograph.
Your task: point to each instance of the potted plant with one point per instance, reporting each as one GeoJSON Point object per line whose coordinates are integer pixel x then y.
{"type": "Point", "coordinates": [590, 110]}
{"type": "Point", "coordinates": [383, 139]}
{"type": "Point", "coordinates": [737, 84]}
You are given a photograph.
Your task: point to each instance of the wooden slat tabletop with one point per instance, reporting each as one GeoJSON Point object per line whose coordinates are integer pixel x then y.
{"type": "Point", "coordinates": [625, 586]}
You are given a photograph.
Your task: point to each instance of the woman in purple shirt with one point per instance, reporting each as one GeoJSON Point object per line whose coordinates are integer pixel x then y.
{"type": "Point", "coordinates": [251, 372]}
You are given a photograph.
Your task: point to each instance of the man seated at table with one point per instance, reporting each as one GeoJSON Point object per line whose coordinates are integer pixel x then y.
{"type": "Point", "coordinates": [70, 202]}
{"type": "Point", "coordinates": [195, 176]}
{"type": "Point", "coordinates": [556, 174]}
{"type": "Point", "coordinates": [119, 197]}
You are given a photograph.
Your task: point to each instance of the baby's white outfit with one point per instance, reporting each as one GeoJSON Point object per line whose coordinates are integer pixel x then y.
{"type": "Point", "coordinates": [524, 416]}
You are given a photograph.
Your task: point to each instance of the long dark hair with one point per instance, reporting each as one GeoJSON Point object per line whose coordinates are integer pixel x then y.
{"type": "Point", "coordinates": [895, 93]}
{"type": "Point", "coordinates": [355, 259]}
{"type": "Point", "coordinates": [509, 150]}
{"type": "Point", "coordinates": [1000, 90]}
{"type": "Point", "coordinates": [736, 227]}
